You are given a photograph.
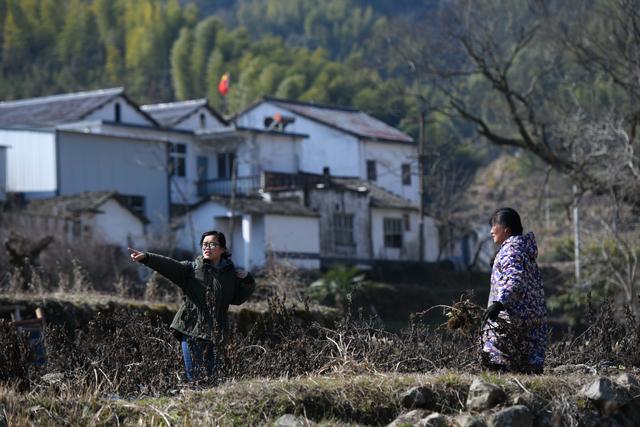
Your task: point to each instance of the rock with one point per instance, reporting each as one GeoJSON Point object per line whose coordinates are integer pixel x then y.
{"type": "Point", "coordinates": [513, 416]}
{"type": "Point", "coordinates": [606, 395]}
{"type": "Point", "coordinates": [531, 401]}
{"type": "Point", "coordinates": [628, 382]}
{"type": "Point", "coordinates": [433, 420]}
{"type": "Point", "coordinates": [53, 378]}
{"type": "Point", "coordinates": [483, 395]}
{"type": "Point", "coordinates": [290, 420]}
{"type": "Point", "coordinates": [410, 418]}
{"type": "Point", "coordinates": [418, 397]}
{"type": "Point", "coordinates": [469, 421]}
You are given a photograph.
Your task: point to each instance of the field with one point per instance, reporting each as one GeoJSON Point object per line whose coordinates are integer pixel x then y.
{"type": "Point", "coordinates": [118, 364]}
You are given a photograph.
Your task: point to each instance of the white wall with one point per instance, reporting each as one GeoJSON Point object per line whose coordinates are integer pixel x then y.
{"type": "Point", "coordinates": [130, 167]}
{"type": "Point", "coordinates": [410, 238]}
{"type": "Point", "coordinates": [295, 235]}
{"type": "Point", "coordinates": [325, 146]}
{"type": "Point", "coordinates": [278, 153]}
{"type": "Point", "coordinates": [31, 160]}
{"type": "Point", "coordinates": [389, 158]}
{"type": "Point", "coordinates": [118, 226]}
{"type": "Point", "coordinates": [128, 114]}
{"type": "Point", "coordinates": [3, 173]}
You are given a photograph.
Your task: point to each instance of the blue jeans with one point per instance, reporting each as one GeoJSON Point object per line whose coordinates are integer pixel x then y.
{"type": "Point", "coordinates": [199, 358]}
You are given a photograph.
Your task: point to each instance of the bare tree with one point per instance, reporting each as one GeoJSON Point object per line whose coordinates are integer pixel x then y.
{"type": "Point", "coordinates": [559, 80]}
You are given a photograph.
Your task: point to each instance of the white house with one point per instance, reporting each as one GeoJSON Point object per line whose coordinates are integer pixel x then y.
{"type": "Point", "coordinates": [347, 141]}
{"type": "Point", "coordinates": [256, 230]}
{"type": "Point", "coordinates": [88, 141]}
{"type": "Point", "coordinates": [86, 218]}
{"type": "Point", "coordinates": [204, 165]}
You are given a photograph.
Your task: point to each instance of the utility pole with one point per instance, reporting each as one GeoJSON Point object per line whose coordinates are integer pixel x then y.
{"type": "Point", "coordinates": [234, 183]}
{"type": "Point", "coordinates": [421, 159]}
{"type": "Point", "coordinates": [576, 233]}
{"type": "Point", "coordinates": [576, 223]}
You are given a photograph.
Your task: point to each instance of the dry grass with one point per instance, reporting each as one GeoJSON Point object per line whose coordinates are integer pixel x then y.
{"type": "Point", "coordinates": [361, 399]}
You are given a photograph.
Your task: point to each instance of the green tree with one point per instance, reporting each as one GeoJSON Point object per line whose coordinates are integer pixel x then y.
{"type": "Point", "coordinates": [180, 65]}
{"type": "Point", "coordinates": [204, 40]}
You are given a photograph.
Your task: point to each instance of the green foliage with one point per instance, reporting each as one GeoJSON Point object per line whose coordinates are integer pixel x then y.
{"type": "Point", "coordinates": [337, 285]}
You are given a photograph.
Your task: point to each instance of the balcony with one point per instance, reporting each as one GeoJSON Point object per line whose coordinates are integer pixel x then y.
{"type": "Point", "coordinates": [267, 181]}
{"type": "Point", "coordinates": [245, 185]}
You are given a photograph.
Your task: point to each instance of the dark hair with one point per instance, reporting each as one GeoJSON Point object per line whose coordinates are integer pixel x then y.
{"type": "Point", "coordinates": [222, 241]}
{"type": "Point", "coordinates": [508, 218]}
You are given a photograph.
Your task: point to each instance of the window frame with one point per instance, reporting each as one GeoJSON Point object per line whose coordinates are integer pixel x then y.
{"type": "Point", "coordinates": [343, 229]}
{"type": "Point", "coordinates": [178, 159]}
{"type": "Point", "coordinates": [392, 231]}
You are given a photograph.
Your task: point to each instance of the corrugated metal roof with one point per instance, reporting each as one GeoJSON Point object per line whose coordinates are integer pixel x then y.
{"type": "Point", "coordinates": [255, 205]}
{"type": "Point", "coordinates": [72, 206]}
{"type": "Point", "coordinates": [48, 111]}
{"type": "Point", "coordinates": [349, 120]}
{"type": "Point", "coordinates": [171, 113]}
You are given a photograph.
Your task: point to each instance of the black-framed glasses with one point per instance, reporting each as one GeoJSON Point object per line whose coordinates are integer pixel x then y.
{"type": "Point", "coordinates": [210, 245]}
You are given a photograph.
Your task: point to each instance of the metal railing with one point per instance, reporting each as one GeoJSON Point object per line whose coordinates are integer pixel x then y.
{"type": "Point", "coordinates": [245, 185]}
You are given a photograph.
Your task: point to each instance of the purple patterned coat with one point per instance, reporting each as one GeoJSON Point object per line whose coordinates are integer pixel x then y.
{"type": "Point", "coordinates": [516, 283]}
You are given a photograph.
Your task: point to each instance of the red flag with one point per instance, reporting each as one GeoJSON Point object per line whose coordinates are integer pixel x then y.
{"type": "Point", "coordinates": [223, 86]}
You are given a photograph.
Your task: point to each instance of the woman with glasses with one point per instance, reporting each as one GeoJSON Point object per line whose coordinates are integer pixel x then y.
{"type": "Point", "coordinates": [210, 284]}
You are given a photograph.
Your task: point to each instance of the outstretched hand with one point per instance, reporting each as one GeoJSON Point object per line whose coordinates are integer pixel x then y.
{"type": "Point", "coordinates": [136, 255]}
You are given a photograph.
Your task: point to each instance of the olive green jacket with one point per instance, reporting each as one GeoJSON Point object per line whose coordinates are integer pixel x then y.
{"type": "Point", "coordinates": [208, 292]}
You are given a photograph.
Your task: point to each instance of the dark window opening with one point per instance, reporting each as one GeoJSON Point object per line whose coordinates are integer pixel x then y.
{"type": "Point", "coordinates": [225, 164]}
{"type": "Point", "coordinates": [392, 232]}
{"type": "Point", "coordinates": [343, 229]}
{"type": "Point", "coordinates": [203, 121]}
{"type": "Point", "coordinates": [117, 112]}
{"type": "Point", "coordinates": [406, 174]}
{"type": "Point", "coordinates": [372, 174]}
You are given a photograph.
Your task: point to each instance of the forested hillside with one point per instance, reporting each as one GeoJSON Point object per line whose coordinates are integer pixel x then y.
{"type": "Point", "coordinates": [161, 50]}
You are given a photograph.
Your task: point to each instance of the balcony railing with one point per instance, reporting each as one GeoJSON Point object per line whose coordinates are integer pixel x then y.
{"type": "Point", "coordinates": [245, 185]}
{"type": "Point", "coordinates": [268, 181]}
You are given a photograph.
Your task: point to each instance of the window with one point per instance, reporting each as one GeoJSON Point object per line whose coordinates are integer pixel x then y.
{"type": "Point", "coordinates": [203, 174]}
{"type": "Point", "coordinates": [134, 203]}
{"type": "Point", "coordinates": [392, 232]}
{"type": "Point", "coordinates": [406, 174]}
{"type": "Point", "coordinates": [225, 164]}
{"type": "Point", "coordinates": [343, 229]}
{"type": "Point", "coordinates": [203, 121]}
{"type": "Point", "coordinates": [371, 170]}
{"type": "Point", "coordinates": [177, 159]}
{"type": "Point", "coordinates": [116, 112]}
{"type": "Point", "coordinates": [407, 222]}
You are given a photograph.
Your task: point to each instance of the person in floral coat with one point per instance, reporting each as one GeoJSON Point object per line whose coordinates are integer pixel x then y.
{"type": "Point", "coordinates": [514, 335]}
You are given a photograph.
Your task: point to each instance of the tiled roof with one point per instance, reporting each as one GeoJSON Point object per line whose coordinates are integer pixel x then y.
{"type": "Point", "coordinates": [349, 120]}
{"type": "Point", "coordinates": [380, 197]}
{"type": "Point", "coordinates": [73, 205]}
{"type": "Point", "coordinates": [48, 111]}
{"type": "Point", "coordinates": [171, 113]}
{"type": "Point", "coordinates": [256, 205]}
